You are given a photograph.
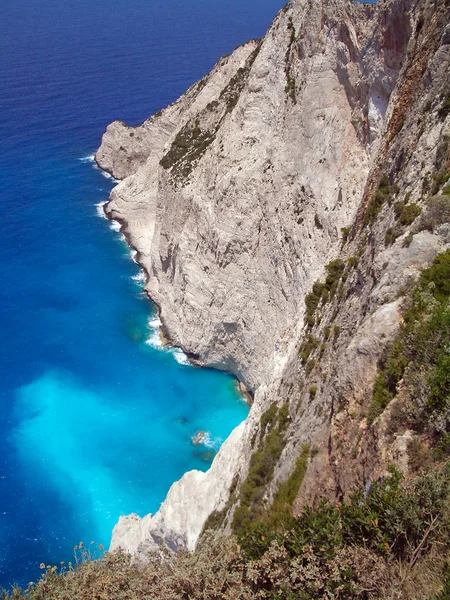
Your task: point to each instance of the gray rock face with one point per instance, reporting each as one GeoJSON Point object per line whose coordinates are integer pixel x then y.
{"type": "Point", "coordinates": [234, 198]}
{"type": "Point", "coordinates": [259, 209]}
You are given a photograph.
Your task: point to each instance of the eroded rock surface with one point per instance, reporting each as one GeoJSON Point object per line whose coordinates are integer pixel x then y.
{"type": "Point", "coordinates": [234, 198]}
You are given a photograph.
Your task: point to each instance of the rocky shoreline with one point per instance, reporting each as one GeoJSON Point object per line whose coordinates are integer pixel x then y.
{"type": "Point", "coordinates": [255, 189]}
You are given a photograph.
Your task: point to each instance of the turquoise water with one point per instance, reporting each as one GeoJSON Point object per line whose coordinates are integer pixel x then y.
{"type": "Point", "coordinates": [95, 421]}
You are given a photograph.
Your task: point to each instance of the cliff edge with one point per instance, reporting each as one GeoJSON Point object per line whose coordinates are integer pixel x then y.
{"type": "Point", "coordinates": [265, 206]}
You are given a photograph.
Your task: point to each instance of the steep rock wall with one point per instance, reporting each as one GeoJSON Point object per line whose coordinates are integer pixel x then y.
{"type": "Point", "coordinates": [234, 198]}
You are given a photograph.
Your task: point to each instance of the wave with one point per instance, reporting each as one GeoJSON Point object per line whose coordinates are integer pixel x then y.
{"type": "Point", "coordinates": [99, 209]}
{"type": "Point", "coordinates": [154, 340]}
{"type": "Point", "coordinates": [139, 278]}
{"type": "Point", "coordinates": [204, 438]}
{"type": "Point", "coordinates": [107, 175]}
{"type": "Point", "coordinates": [180, 356]}
{"type": "Point", "coordinates": [114, 225]}
{"type": "Point", "coordinates": [91, 159]}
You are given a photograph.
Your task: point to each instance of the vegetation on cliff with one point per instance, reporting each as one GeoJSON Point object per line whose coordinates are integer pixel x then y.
{"type": "Point", "coordinates": [419, 357]}
{"type": "Point", "coordinates": [388, 542]}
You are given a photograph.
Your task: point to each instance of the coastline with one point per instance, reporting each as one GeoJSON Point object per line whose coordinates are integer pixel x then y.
{"type": "Point", "coordinates": [192, 359]}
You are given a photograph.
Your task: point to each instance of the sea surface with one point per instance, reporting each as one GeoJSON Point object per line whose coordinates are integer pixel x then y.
{"type": "Point", "coordinates": [96, 421]}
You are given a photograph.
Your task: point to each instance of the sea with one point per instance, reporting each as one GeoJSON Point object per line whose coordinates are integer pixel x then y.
{"type": "Point", "coordinates": [97, 419]}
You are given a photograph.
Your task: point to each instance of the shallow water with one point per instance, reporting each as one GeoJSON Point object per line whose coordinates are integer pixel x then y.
{"type": "Point", "coordinates": [96, 421]}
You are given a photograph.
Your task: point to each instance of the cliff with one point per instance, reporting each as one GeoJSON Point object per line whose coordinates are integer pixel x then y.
{"type": "Point", "coordinates": [290, 163]}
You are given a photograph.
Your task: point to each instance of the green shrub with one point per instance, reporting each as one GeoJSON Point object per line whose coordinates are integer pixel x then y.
{"type": "Point", "coordinates": [189, 145]}
{"type": "Point", "coordinates": [363, 549]}
{"type": "Point", "coordinates": [384, 193]}
{"type": "Point", "coordinates": [345, 233]}
{"type": "Point", "coordinates": [313, 391]}
{"type": "Point", "coordinates": [268, 417]}
{"type": "Point", "coordinates": [308, 346]}
{"type": "Point", "coordinates": [391, 236]}
{"type": "Point", "coordinates": [280, 513]}
{"type": "Point", "coordinates": [421, 349]}
{"type": "Point", "coordinates": [444, 109]}
{"type": "Point", "coordinates": [262, 463]}
{"type": "Point", "coordinates": [439, 179]}
{"type": "Point", "coordinates": [409, 213]}
{"type": "Point", "coordinates": [437, 212]}
{"type": "Point", "coordinates": [352, 262]}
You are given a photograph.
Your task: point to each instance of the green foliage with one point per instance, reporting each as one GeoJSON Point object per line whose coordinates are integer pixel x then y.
{"type": "Point", "coordinates": [409, 213]}
{"type": "Point", "coordinates": [439, 179]}
{"type": "Point", "coordinates": [268, 417]}
{"type": "Point", "coordinates": [358, 550]}
{"type": "Point", "coordinates": [313, 391]}
{"type": "Point", "coordinates": [437, 212]}
{"type": "Point", "coordinates": [308, 346]}
{"type": "Point", "coordinates": [439, 275]}
{"type": "Point", "coordinates": [444, 109]}
{"type": "Point", "coordinates": [421, 350]}
{"type": "Point", "coordinates": [390, 237]}
{"type": "Point", "coordinates": [395, 520]}
{"type": "Point", "coordinates": [381, 397]}
{"type": "Point", "coordinates": [345, 232]}
{"type": "Point", "coordinates": [262, 463]}
{"type": "Point", "coordinates": [352, 262]}
{"type": "Point", "coordinates": [335, 269]}
{"type": "Point", "coordinates": [280, 513]}
{"type": "Point", "coordinates": [445, 593]}
{"type": "Point", "coordinates": [290, 87]}
{"type": "Point", "coordinates": [189, 145]}
{"type": "Point", "coordinates": [324, 291]}
{"type": "Point", "coordinates": [384, 193]}
{"type": "Point", "coordinates": [191, 142]}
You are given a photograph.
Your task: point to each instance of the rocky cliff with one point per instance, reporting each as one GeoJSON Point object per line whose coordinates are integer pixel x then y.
{"type": "Point", "coordinates": [266, 209]}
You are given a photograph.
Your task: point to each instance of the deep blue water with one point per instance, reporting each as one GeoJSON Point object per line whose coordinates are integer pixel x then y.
{"type": "Point", "coordinates": [94, 421]}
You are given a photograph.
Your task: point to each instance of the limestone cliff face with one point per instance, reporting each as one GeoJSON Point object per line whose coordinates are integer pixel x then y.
{"type": "Point", "coordinates": [234, 198]}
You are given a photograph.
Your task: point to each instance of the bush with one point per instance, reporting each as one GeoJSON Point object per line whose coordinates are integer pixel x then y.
{"type": "Point", "coordinates": [345, 232]}
{"type": "Point", "coordinates": [437, 212]}
{"type": "Point", "coordinates": [262, 464]}
{"type": "Point", "coordinates": [313, 391]}
{"type": "Point", "coordinates": [383, 194]}
{"type": "Point", "coordinates": [422, 350]}
{"type": "Point", "coordinates": [444, 109]}
{"type": "Point", "coordinates": [345, 552]}
{"type": "Point", "coordinates": [409, 213]}
{"type": "Point", "coordinates": [280, 513]}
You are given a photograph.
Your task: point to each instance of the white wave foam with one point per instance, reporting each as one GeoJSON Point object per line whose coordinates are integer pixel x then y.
{"type": "Point", "coordinates": [154, 340]}
{"type": "Point", "coordinates": [114, 225]}
{"type": "Point", "coordinates": [139, 278]}
{"type": "Point", "coordinates": [107, 175]}
{"type": "Point", "coordinates": [91, 159]}
{"type": "Point", "coordinates": [154, 323]}
{"type": "Point", "coordinates": [180, 356]}
{"type": "Point", "coordinates": [100, 211]}
{"type": "Point", "coordinates": [204, 438]}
